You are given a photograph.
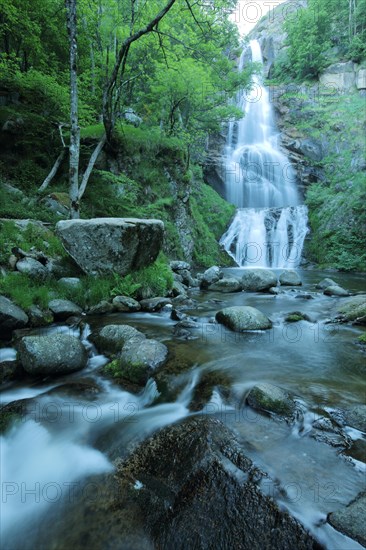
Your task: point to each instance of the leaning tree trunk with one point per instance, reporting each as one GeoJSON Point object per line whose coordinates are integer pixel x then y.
{"type": "Point", "coordinates": [74, 150]}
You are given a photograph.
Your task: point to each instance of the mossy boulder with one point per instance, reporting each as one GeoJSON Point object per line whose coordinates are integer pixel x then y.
{"type": "Point", "coordinates": [110, 339]}
{"type": "Point", "coordinates": [271, 399]}
{"type": "Point", "coordinates": [296, 316]}
{"type": "Point", "coordinates": [140, 358]}
{"type": "Point", "coordinates": [354, 309]}
{"type": "Point", "coordinates": [11, 316]}
{"type": "Point", "coordinates": [290, 277]}
{"type": "Point", "coordinates": [351, 519]}
{"type": "Point", "coordinates": [240, 318]}
{"type": "Point", "coordinates": [226, 284]}
{"type": "Point", "coordinates": [257, 280]}
{"type": "Point", "coordinates": [51, 355]}
{"type": "Point", "coordinates": [336, 291]}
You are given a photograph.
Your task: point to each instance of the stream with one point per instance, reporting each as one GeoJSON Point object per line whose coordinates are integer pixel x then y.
{"type": "Point", "coordinates": [65, 440]}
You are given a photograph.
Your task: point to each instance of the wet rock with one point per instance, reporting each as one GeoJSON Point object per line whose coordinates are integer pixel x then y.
{"type": "Point", "coordinates": [354, 309]}
{"type": "Point", "coordinates": [10, 371]}
{"type": "Point", "coordinates": [62, 309]}
{"type": "Point", "coordinates": [39, 317]}
{"type": "Point", "coordinates": [177, 315]}
{"type": "Point", "coordinates": [107, 245]}
{"type": "Point", "coordinates": [179, 288]}
{"type": "Point", "coordinates": [290, 278]}
{"type": "Point", "coordinates": [70, 282]}
{"type": "Point", "coordinates": [52, 355]}
{"type": "Point", "coordinates": [102, 308]}
{"type": "Point", "coordinates": [11, 317]}
{"type": "Point", "coordinates": [356, 417]}
{"type": "Point", "coordinates": [177, 265]}
{"type": "Point", "coordinates": [227, 284]}
{"type": "Point", "coordinates": [271, 399]}
{"type": "Point", "coordinates": [187, 279]}
{"type": "Point", "coordinates": [83, 389]}
{"type": "Point", "coordinates": [274, 290]}
{"type": "Point", "coordinates": [211, 497]}
{"type": "Point", "coordinates": [257, 280]}
{"type": "Point", "coordinates": [296, 316]}
{"type": "Point", "coordinates": [125, 304]}
{"type": "Point", "coordinates": [351, 519]}
{"type": "Point", "coordinates": [304, 296]}
{"type": "Point", "coordinates": [211, 276]}
{"type": "Point", "coordinates": [336, 291]}
{"type": "Point", "coordinates": [32, 268]}
{"type": "Point", "coordinates": [112, 338]}
{"type": "Point", "coordinates": [325, 283]}
{"type": "Point", "coordinates": [154, 304]}
{"type": "Point", "coordinates": [139, 358]}
{"type": "Point", "coordinates": [239, 318]}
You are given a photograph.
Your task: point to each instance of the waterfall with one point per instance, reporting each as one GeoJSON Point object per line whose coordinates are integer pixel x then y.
{"type": "Point", "coordinates": [270, 224]}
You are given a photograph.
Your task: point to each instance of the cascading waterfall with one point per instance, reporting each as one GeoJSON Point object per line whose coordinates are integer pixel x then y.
{"type": "Point", "coordinates": [270, 224]}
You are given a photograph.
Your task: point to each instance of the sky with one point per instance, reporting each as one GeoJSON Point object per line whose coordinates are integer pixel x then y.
{"type": "Point", "coordinates": [249, 12]}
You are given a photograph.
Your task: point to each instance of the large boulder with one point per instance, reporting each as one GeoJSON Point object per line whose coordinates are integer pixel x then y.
{"type": "Point", "coordinates": [354, 309]}
{"type": "Point", "coordinates": [239, 318]}
{"type": "Point", "coordinates": [227, 284]}
{"type": "Point", "coordinates": [195, 488]}
{"type": "Point", "coordinates": [126, 304]}
{"type": "Point", "coordinates": [139, 358]}
{"type": "Point", "coordinates": [11, 316]}
{"type": "Point", "coordinates": [257, 280]}
{"type": "Point", "coordinates": [290, 277]}
{"type": "Point", "coordinates": [107, 245]}
{"type": "Point", "coordinates": [325, 283]}
{"type": "Point", "coordinates": [112, 338]}
{"type": "Point", "coordinates": [351, 520]}
{"type": "Point", "coordinates": [211, 276]}
{"type": "Point", "coordinates": [52, 355]}
{"type": "Point", "coordinates": [62, 309]}
{"type": "Point", "coordinates": [336, 291]}
{"type": "Point", "coordinates": [271, 399]}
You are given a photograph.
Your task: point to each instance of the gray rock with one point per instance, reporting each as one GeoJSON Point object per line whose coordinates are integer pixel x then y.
{"type": "Point", "coordinates": [187, 278]}
{"type": "Point", "coordinates": [70, 282]}
{"type": "Point", "coordinates": [272, 399]}
{"type": "Point", "coordinates": [325, 283]}
{"type": "Point", "coordinates": [177, 265]}
{"type": "Point", "coordinates": [101, 308]}
{"type": "Point", "coordinates": [39, 317]}
{"type": "Point", "coordinates": [155, 304]}
{"type": "Point", "coordinates": [10, 371]}
{"type": "Point", "coordinates": [239, 318]}
{"type": "Point", "coordinates": [107, 245]}
{"type": "Point", "coordinates": [62, 309]}
{"type": "Point", "coordinates": [211, 498]}
{"type": "Point", "coordinates": [290, 278]}
{"type": "Point", "coordinates": [351, 519]}
{"type": "Point", "coordinates": [274, 290]}
{"type": "Point", "coordinates": [179, 289]}
{"type": "Point", "coordinates": [354, 309]}
{"type": "Point", "coordinates": [54, 354]}
{"type": "Point", "coordinates": [210, 276]}
{"type": "Point", "coordinates": [227, 284]}
{"type": "Point", "coordinates": [256, 280]}
{"type": "Point", "coordinates": [32, 268]}
{"type": "Point", "coordinates": [336, 291]}
{"type": "Point", "coordinates": [295, 316]}
{"type": "Point", "coordinates": [139, 358]}
{"type": "Point", "coordinates": [356, 417]}
{"type": "Point", "coordinates": [112, 338]}
{"type": "Point", "coordinates": [125, 304]}
{"type": "Point", "coordinates": [11, 316]}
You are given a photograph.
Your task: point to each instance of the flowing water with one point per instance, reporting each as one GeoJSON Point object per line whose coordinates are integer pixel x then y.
{"type": "Point", "coordinates": [271, 223]}
{"type": "Point", "coordinates": [64, 441]}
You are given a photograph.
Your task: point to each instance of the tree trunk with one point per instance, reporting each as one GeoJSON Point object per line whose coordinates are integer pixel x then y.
{"type": "Point", "coordinates": [52, 174]}
{"type": "Point", "coordinates": [74, 122]}
{"type": "Point", "coordinates": [92, 161]}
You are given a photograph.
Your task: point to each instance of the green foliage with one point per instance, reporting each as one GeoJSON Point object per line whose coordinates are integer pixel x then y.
{"type": "Point", "coordinates": [15, 207]}
{"type": "Point", "coordinates": [32, 236]}
{"type": "Point", "coordinates": [154, 280]}
{"type": "Point", "coordinates": [113, 369]}
{"type": "Point", "coordinates": [25, 291]}
{"type": "Point", "coordinates": [211, 215]}
{"type": "Point", "coordinates": [362, 339]}
{"type": "Point", "coordinates": [320, 33]}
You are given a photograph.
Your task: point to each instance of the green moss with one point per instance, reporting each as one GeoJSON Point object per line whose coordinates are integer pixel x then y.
{"type": "Point", "coordinates": [154, 280]}
{"type": "Point", "coordinates": [7, 420]}
{"type": "Point", "coordinates": [362, 339]}
{"type": "Point", "coordinates": [113, 369]}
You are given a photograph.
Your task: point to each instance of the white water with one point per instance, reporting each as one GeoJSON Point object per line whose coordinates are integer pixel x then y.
{"type": "Point", "coordinates": [270, 225]}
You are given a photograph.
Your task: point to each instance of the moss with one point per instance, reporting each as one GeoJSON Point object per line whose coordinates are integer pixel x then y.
{"type": "Point", "coordinates": [362, 339]}
{"type": "Point", "coordinates": [295, 316]}
{"type": "Point", "coordinates": [7, 420]}
{"type": "Point", "coordinates": [113, 369]}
